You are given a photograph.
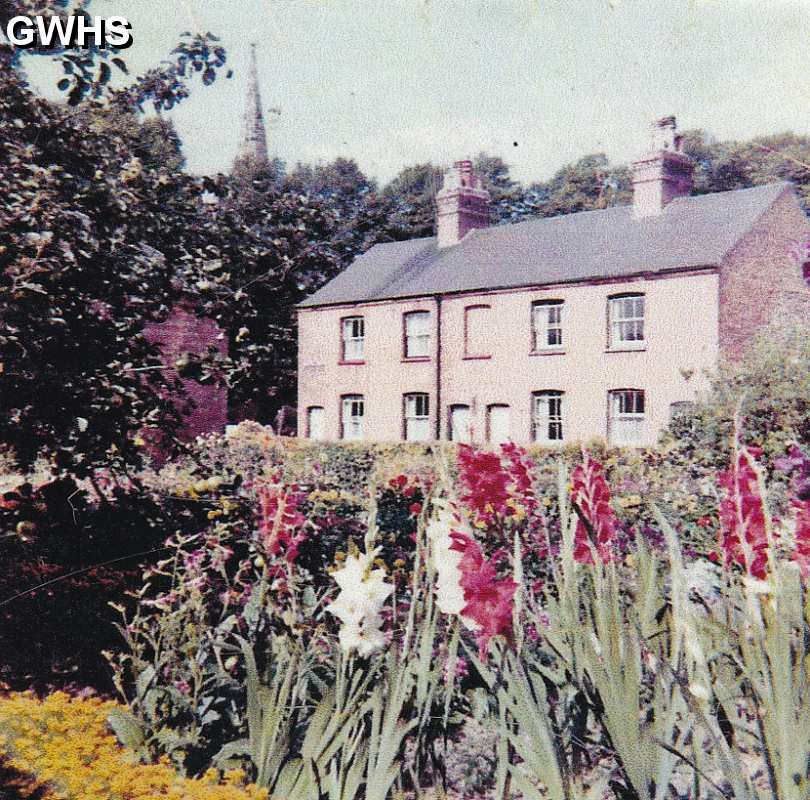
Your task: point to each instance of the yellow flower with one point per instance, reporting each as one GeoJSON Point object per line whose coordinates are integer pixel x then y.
{"type": "Point", "coordinates": [66, 743]}
{"type": "Point", "coordinates": [630, 501]}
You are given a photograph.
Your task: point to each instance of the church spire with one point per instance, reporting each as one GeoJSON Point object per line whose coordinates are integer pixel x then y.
{"type": "Point", "coordinates": [254, 135]}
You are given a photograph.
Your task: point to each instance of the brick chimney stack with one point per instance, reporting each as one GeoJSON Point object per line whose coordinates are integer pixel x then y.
{"type": "Point", "coordinates": [462, 204]}
{"type": "Point", "coordinates": [664, 172]}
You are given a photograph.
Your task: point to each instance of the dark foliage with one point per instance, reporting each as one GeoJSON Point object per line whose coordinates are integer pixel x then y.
{"type": "Point", "coordinates": [55, 536]}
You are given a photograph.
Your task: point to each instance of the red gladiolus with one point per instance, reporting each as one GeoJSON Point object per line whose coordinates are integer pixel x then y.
{"type": "Point", "coordinates": [591, 494]}
{"type": "Point", "coordinates": [490, 480]}
{"type": "Point", "coordinates": [743, 534]}
{"type": "Point", "coordinates": [398, 483]}
{"type": "Point", "coordinates": [484, 483]}
{"type": "Point", "coordinates": [280, 520]}
{"type": "Point", "coordinates": [489, 599]}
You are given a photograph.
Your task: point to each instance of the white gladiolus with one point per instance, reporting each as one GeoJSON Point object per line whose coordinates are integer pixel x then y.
{"type": "Point", "coordinates": [449, 594]}
{"type": "Point", "coordinates": [358, 606]}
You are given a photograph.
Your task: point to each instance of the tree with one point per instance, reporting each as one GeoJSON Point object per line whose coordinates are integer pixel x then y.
{"type": "Point", "coordinates": [508, 198]}
{"type": "Point", "coordinates": [271, 244]}
{"type": "Point", "coordinates": [722, 166]}
{"type": "Point", "coordinates": [589, 183]}
{"type": "Point", "coordinates": [94, 223]}
{"type": "Point", "coordinates": [413, 193]}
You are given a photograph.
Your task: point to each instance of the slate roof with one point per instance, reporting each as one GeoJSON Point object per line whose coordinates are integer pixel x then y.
{"type": "Point", "coordinates": [690, 232]}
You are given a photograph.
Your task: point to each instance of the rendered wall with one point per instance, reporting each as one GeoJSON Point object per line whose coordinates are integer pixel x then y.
{"type": "Point", "coordinates": [682, 344]}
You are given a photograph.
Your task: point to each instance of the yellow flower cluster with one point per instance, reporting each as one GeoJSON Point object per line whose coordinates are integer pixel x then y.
{"type": "Point", "coordinates": [66, 743]}
{"type": "Point", "coordinates": [333, 496]}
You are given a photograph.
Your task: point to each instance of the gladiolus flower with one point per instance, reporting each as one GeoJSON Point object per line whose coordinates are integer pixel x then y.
{"type": "Point", "coordinates": [280, 520]}
{"type": "Point", "coordinates": [449, 594]}
{"type": "Point", "coordinates": [489, 600]}
{"type": "Point", "coordinates": [743, 534]}
{"type": "Point", "coordinates": [467, 584]}
{"type": "Point", "coordinates": [591, 494]}
{"type": "Point", "coordinates": [358, 606]}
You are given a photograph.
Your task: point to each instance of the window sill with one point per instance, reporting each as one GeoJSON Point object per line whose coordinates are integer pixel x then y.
{"type": "Point", "coordinates": [351, 363]}
{"type": "Point", "coordinates": [549, 352]}
{"type": "Point", "coordinates": [475, 358]}
{"type": "Point", "coordinates": [415, 359]}
{"type": "Point", "coordinates": [625, 349]}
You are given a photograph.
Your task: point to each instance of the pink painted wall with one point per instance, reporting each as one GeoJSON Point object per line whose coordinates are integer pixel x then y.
{"type": "Point", "coordinates": [681, 334]}
{"type": "Point", "coordinates": [184, 332]}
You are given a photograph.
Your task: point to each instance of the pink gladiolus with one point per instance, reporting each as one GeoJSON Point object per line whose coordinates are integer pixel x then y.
{"type": "Point", "coordinates": [591, 494]}
{"type": "Point", "coordinates": [280, 520]}
{"type": "Point", "coordinates": [743, 534]}
{"type": "Point", "coordinates": [498, 488]}
{"type": "Point", "coordinates": [489, 600]}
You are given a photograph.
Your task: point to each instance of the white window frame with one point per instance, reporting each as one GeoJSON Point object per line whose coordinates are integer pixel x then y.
{"type": "Point", "coordinates": [322, 435]}
{"type": "Point", "coordinates": [353, 339]}
{"type": "Point", "coordinates": [462, 437]}
{"type": "Point", "coordinates": [548, 417]}
{"type": "Point", "coordinates": [627, 324]}
{"type": "Point", "coordinates": [479, 313]}
{"type": "Point", "coordinates": [416, 417]}
{"type": "Point", "coordinates": [417, 334]}
{"type": "Point", "coordinates": [495, 407]}
{"type": "Point", "coordinates": [352, 417]}
{"type": "Point", "coordinates": [547, 325]}
{"type": "Point", "coordinates": [625, 420]}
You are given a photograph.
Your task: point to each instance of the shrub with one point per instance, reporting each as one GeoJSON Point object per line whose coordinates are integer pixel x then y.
{"type": "Point", "coordinates": [56, 536]}
{"type": "Point", "coordinates": [65, 743]}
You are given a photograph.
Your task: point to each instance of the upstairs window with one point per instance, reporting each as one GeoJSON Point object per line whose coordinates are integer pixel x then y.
{"type": "Point", "coordinates": [547, 332]}
{"type": "Point", "coordinates": [417, 334]}
{"type": "Point", "coordinates": [354, 337]}
{"type": "Point", "coordinates": [626, 318]}
{"type": "Point", "coordinates": [477, 331]}
{"type": "Point", "coordinates": [547, 413]}
{"type": "Point", "coordinates": [352, 414]}
{"type": "Point", "coordinates": [417, 417]}
{"type": "Point", "coordinates": [626, 417]}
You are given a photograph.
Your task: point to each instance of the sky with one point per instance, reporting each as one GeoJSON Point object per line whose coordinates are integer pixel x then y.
{"type": "Point", "coordinates": [538, 82]}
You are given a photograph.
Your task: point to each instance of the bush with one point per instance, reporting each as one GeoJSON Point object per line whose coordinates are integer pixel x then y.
{"type": "Point", "coordinates": [84, 553]}
{"type": "Point", "coordinates": [66, 743]}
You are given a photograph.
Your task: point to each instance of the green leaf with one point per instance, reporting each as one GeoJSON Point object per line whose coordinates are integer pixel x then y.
{"type": "Point", "coordinates": [127, 729]}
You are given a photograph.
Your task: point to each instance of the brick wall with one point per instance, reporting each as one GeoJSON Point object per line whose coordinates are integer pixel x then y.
{"type": "Point", "coordinates": [184, 332]}
{"type": "Point", "coordinates": [761, 281]}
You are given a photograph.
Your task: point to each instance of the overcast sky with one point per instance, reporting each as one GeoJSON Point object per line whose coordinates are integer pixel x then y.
{"type": "Point", "coordinates": [539, 82]}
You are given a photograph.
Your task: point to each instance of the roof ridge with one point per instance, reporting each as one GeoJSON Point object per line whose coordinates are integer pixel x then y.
{"type": "Point", "coordinates": [697, 229]}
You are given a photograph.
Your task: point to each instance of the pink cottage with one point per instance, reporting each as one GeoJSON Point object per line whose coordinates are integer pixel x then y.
{"type": "Point", "coordinates": [591, 325]}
